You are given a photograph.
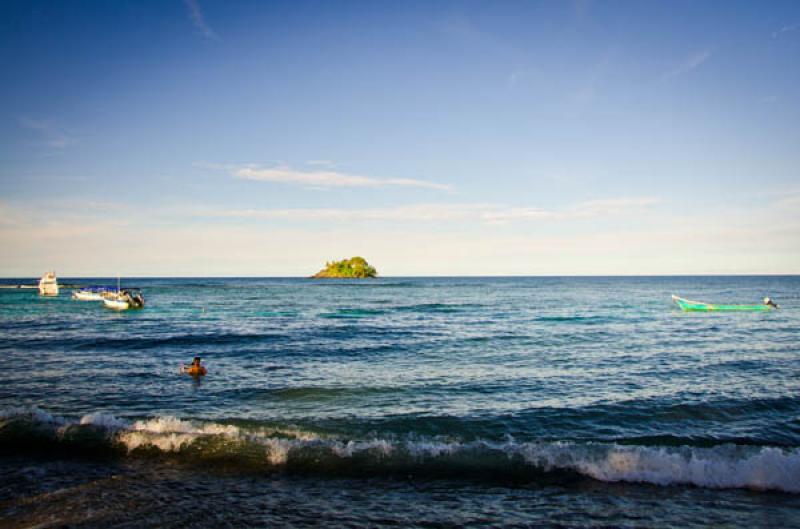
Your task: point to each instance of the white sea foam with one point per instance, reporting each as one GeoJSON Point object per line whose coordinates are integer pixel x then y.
{"type": "Point", "coordinates": [380, 447]}
{"type": "Point", "coordinates": [32, 413]}
{"type": "Point", "coordinates": [433, 449]}
{"type": "Point", "coordinates": [278, 450]}
{"type": "Point", "coordinates": [174, 425]}
{"type": "Point", "coordinates": [172, 442]}
{"type": "Point", "coordinates": [726, 466]}
{"type": "Point", "coordinates": [105, 420]}
{"type": "Point", "coordinates": [170, 434]}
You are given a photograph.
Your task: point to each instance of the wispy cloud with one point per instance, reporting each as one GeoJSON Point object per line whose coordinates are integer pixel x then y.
{"type": "Point", "coordinates": [326, 178]}
{"type": "Point", "coordinates": [688, 64]}
{"type": "Point", "coordinates": [789, 201]}
{"type": "Point", "coordinates": [487, 213]}
{"type": "Point", "coordinates": [785, 29]}
{"type": "Point", "coordinates": [198, 19]}
{"type": "Point", "coordinates": [7, 216]}
{"type": "Point", "coordinates": [588, 89]}
{"type": "Point", "coordinates": [52, 135]}
{"type": "Point", "coordinates": [581, 8]}
{"type": "Point", "coordinates": [414, 212]}
{"type": "Point", "coordinates": [515, 77]}
{"type": "Point", "coordinates": [582, 210]}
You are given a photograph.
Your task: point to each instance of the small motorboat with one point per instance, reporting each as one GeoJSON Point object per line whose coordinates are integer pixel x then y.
{"type": "Point", "coordinates": [48, 285]}
{"type": "Point", "coordinates": [127, 298]}
{"type": "Point", "coordinates": [116, 303]}
{"type": "Point", "coordinates": [123, 298]}
{"type": "Point", "coordinates": [699, 306]}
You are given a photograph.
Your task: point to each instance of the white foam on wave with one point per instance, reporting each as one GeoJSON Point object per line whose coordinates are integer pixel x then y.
{"type": "Point", "coordinates": [278, 450]}
{"type": "Point", "coordinates": [725, 466]}
{"type": "Point", "coordinates": [32, 413]}
{"type": "Point", "coordinates": [380, 447]}
{"type": "Point", "coordinates": [170, 434]}
{"type": "Point", "coordinates": [104, 420]}
{"type": "Point", "coordinates": [171, 425]}
{"type": "Point", "coordinates": [164, 442]}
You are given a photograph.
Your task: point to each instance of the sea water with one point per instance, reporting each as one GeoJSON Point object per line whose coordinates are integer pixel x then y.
{"type": "Point", "coordinates": [430, 402]}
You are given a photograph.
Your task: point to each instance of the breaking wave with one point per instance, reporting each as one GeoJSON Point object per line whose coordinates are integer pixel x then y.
{"type": "Point", "coordinates": [269, 448]}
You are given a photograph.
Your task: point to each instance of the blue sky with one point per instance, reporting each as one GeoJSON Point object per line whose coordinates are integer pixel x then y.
{"type": "Point", "coordinates": [442, 138]}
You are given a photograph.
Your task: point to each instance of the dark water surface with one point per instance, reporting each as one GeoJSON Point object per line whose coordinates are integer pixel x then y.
{"type": "Point", "coordinates": [403, 402]}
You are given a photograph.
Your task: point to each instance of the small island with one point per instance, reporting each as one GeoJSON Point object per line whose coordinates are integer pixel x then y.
{"type": "Point", "coordinates": [355, 268]}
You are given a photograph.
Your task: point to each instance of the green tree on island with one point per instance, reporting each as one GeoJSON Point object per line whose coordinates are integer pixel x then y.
{"type": "Point", "coordinates": [355, 267]}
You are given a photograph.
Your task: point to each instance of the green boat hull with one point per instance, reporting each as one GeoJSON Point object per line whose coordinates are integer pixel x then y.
{"type": "Point", "coordinates": [698, 306]}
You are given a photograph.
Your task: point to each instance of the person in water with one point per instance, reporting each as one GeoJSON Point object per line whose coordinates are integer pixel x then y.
{"type": "Point", "coordinates": [768, 301]}
{"type": "Point", "coordinates": [196, 369]}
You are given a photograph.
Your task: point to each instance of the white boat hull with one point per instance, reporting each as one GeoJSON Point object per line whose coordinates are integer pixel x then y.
{"type": "Point", "coordinates": [87, 296]}
{"type": "Point", "coordinates": [116, 304]}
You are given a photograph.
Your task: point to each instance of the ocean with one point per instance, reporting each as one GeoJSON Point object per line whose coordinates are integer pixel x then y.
{"type": "Point", "coordinates": [410, 402]}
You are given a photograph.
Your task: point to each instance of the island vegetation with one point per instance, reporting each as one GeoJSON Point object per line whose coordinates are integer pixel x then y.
{"type": "Point", "coordinates": [355, 267]}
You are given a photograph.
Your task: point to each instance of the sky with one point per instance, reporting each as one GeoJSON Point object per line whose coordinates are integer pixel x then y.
{"type": "Point", "coordinates": [216, 138]}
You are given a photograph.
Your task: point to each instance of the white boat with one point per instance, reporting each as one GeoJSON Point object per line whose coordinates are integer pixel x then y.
{"type": "Point", "coordinates": [116, 303]}
{"type": "Point", "coordinates": [92, 294]}
{"type": "Point", "coordinates": [48, 285]}
{"type": "Point", "coordinates": [123, 299]}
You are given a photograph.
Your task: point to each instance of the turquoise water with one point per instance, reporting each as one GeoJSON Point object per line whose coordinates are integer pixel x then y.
{"type": "Point", "coordinates": [448, 401]}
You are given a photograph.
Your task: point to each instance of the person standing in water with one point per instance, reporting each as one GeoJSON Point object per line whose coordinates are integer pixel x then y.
{"type": "Point", "coordinates": [196, 369]}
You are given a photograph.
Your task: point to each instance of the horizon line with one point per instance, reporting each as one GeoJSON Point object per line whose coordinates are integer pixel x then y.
{"type": "Point", "coordinates": [461, 276]}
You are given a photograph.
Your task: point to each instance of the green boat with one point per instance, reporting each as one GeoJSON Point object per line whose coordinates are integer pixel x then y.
{"type": "Point", "coordinates": [698, 306]}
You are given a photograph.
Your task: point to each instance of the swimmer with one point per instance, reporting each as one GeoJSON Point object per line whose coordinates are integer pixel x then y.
{"type": "Point", "coordinates": [196, 369]}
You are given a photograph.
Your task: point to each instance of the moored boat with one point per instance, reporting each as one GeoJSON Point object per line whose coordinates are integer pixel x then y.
{"type": "Point", "coordinates": [687, 305]}
{"type": "Point", "coordinates": [48, 285]}
{"type": "Point", "coordinates": [92, 294]}
{"type": "Point", "coordinates": [124, 299]}
{"type": "Point", "coordinates": [116, 304]}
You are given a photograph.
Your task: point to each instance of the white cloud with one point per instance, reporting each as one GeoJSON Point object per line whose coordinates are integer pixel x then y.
{"type": "Point", "coordinates": [326, 178]}
{"type": "Point", "coordinates": [611, 206]}
{"type": "Point", "coordinates": [690, 63]}
{"type": "Point", "coordinates": [199, 20]}
{"type": "Point", "coordinates": [8, 217]}
{"type": "Point", "coordinates": [52, 135]}
{"type": "Point", "coordinates": [785, 29]}
{"type": "Point", "coordinates": [590, 209]}
{"type": "Point", "coordinates": [790, 201]}
{"type": "Point", "coordinates": [416, 212]}
{"type": "Point", "coordinates": [489, 213]}
{"type": "Point", "coordinates": [515, 77]}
